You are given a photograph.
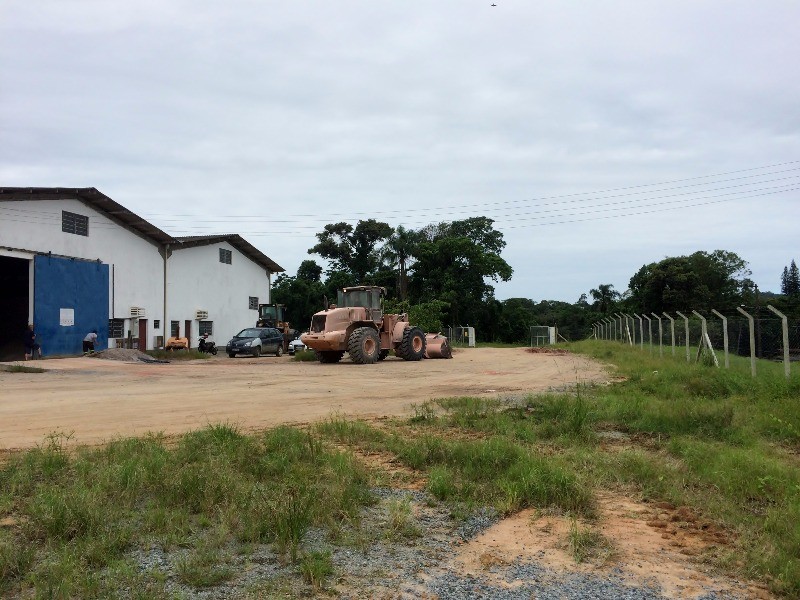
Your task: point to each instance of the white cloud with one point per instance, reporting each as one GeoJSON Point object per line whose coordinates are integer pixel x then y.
{"type": "Point", "coordinates": [352, 109]}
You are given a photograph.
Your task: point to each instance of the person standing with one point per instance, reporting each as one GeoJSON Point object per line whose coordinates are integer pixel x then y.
{"type": "Point", "coordinates": [89, 340]}
{"type": "Point", "coordinates": [31, 346]}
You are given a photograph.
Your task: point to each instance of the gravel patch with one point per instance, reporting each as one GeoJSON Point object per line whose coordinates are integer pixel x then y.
{"type": "Point", "coordinates": [126, 355]}
{"type": "Point", "coordinates": [370, 561]}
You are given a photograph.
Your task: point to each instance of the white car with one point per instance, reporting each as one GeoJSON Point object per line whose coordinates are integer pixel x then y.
{"type": "Point", "coordinates": [296, 345]}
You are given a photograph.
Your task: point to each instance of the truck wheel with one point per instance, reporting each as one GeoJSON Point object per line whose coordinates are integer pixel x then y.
{"type": "Point", "coordinates": [232, 354]}
{"type": "Point", "coordinates": [328, 356]}
{"type": "Point", "coordinates": [383, 354]}
{"type": "Point", "coordinates": [412, 346]}
{"type": "Point", "coordinates": [256, 352]}
{"type": "Point", "coordinates": [279, 351]}
{"type": "Point", "coordinates": [364, 346]}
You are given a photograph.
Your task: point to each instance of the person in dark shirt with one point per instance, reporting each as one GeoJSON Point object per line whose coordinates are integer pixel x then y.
{"type": "Point", "coordinates": [31, 347]}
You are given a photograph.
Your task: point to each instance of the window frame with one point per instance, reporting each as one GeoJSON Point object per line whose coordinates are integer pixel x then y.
{"type": "Point", "coordinates": [225, 256]}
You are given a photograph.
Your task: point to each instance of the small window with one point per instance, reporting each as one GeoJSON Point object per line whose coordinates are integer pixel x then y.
{"type": "Point", "coordinates": [207, 327]}
{"type": "Point", "coordinates": [225, 256]}
{"type": "Point", "coordinates": [174, 328]}
{"type": "Point", "coordinates": [74, 223]}
{"type": "Point", "coordinates": [116, 328]}
{"type": "Point", "coordinates": [253, 303]}
{"type": "Point", "coordinates": [157, 324]}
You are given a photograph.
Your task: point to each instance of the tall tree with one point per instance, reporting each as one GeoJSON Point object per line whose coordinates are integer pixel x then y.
{"type": "Point", "coordinates": [700, 281]}
{"type": "Point", "coordinates": [454, 262]}
{"type": "Point", "coordinates": [604, 296]}
{"type": "Point", "coordinates": [302, 294]}
{"type": "Point", "coordinates": [354, 251]}
{"type": "Point", "coordinates": [397, 253]}
{"type": "Point", "coordinates": [792, 280]}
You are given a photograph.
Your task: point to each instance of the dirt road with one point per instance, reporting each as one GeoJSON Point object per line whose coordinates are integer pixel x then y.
{"type": "Point", "coordinates": [97, 400]}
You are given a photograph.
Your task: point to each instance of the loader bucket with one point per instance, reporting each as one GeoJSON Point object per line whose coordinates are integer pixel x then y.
{"type": "Point", "coordinates": [437, 346]}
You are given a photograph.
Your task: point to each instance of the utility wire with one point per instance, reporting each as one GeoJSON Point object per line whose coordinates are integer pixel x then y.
{"type": "Point", "coordinates": [555, 197]}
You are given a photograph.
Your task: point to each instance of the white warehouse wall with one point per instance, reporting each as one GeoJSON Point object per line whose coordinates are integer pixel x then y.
{"type": "Point", "coordinates": [135, 264]}
{"type": "Point", "coordinates": [197, 280]}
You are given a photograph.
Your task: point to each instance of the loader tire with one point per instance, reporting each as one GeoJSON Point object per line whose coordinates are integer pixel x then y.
{"type": "Point", "coordinates": [412, 346]}
{"type": "Point", "coordinates": [364, 346]}
{"type": "Point", "coordinates": [383, 354]}
{"type": "Point", "coordinates": [329, 356]}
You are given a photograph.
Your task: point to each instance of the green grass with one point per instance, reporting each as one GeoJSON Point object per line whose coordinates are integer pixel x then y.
{"type": "Point", "coordinates": [585, 542]}
{"type": "Point", "coordinates": [17, 368]}
{"type": "Point", "coordinates": [495, 471]}
{"type": "Point", "coordinates": [78, 513]}
{"type": "Point", "coordinates": [304, 356]}
{"type": "Point", "coordinates": [316, 566]}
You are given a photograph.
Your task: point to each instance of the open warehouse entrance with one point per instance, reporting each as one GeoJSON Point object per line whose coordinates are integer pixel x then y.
{"type": "Point", "coordinates": [14, 303]}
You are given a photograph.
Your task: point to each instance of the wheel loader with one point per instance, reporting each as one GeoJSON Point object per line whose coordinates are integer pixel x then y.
{"type": "Point", "coordinates": [274, 315]}
{"type": "Point", "coordinates": [356, 325]}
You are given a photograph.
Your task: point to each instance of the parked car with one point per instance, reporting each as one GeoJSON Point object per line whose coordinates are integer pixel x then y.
{"type": "Point", "coordinates": [256, 341]}
{"type": "Point", "coordinates": [296, 346]}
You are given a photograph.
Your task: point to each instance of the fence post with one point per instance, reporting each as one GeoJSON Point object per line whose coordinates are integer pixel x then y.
{"type": "Point", "coordinates": [649, 332]}
{"type": "Point", "coordinates": [660, 336]}
{"type": "Point", "coordinates": [671, 331]}
{"type": "Point", "coordinates": [705, 340]}
{"type": "Point", "coordinates": [785, 327]}
{"type": "Point", "coordinates": [641, 330]}
{"type": "Point", "coordinates": [724, 335]}
{"type": "Point", "coordinates": [686, 324]}
{"type": "Point", "coordinates": [752, 327]}
{"type": "Point", "coordinates": [628, 329]}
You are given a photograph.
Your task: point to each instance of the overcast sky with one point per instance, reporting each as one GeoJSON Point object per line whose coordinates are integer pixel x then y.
{"type": "Point", "coordinates": [271, 119]}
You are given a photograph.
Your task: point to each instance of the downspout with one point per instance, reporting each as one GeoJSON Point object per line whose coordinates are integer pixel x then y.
{"type": "Point", "coordinates": [164, 320]}
{"type": "Point", "coordinates": [269, 287]}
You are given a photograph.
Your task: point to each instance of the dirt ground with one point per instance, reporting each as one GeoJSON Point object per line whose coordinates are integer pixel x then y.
{"type": "Point", "coordinates": [96, 400]}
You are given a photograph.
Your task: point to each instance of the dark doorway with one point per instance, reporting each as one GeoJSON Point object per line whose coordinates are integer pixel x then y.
{"type": "Point", "coordinates": [188, 331]}
{"type": "Point", "coordinates": [14, 299]}
{"type": "Point", "coordinates": [142, 334]}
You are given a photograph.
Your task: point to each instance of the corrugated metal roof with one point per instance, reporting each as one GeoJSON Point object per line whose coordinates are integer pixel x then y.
{"type": "Point", "coordinates": [122, 215]}
{"type": "Point", "coordinates": [96, 200]}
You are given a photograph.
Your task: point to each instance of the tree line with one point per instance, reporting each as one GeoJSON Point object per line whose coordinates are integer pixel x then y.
{"type": "Point", "coordinates": [442, 274]}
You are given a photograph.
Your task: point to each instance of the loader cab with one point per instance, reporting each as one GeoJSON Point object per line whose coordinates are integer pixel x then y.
{"type": "Point", "coordinates": [368, 297]}
{"type": "Point", "coordinates": [270, 315]}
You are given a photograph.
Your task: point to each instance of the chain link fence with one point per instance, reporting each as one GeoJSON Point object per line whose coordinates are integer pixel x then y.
{"type": "Point", "coordinates": [667, 334]}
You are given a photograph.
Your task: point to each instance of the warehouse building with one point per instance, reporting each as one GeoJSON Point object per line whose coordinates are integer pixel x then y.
{"type": "Point", "coordinates": [74, 260]}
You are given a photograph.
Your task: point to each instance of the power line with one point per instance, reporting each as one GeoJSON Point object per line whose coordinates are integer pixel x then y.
{"type": "Point", "coordinates": [555, 197]}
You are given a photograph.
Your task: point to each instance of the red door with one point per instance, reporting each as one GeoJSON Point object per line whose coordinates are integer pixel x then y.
{"type": "Point", "coordinates": [188, 331]}
{"type": "Point", "coordinates": [142, 334]}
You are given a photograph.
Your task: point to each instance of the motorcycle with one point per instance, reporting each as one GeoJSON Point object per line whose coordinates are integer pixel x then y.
{"type": "Point", "coordinates": [207, 346]}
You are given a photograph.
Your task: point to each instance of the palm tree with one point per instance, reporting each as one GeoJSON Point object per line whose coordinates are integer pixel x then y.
{"type": "Point", "coordinates": [397, 254]}
{"type": "Point", "coordinates": [604, 297]}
